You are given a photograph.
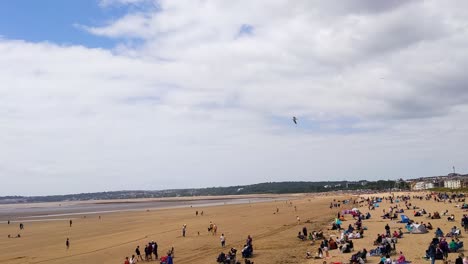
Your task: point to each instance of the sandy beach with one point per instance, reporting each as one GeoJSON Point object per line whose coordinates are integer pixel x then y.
{"type": "Point", "coordinates": [116, 235]}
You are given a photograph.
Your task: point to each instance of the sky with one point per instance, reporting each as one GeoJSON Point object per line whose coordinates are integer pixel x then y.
{"type": "Point", "coordinates": [103, 95]}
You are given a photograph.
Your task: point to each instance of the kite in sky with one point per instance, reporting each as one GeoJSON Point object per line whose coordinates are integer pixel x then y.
{"type": "Point", "coordinates": [294, 120]}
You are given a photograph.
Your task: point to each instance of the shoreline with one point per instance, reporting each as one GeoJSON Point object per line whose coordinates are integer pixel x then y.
{"type": "Point", "coordinates": [52, 210]}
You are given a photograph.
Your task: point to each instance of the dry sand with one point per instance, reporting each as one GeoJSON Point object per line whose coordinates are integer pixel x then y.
{"type": "Point", "coordinates": [413, 246]}
{"type": "Point", "coordinates": [116, 235]}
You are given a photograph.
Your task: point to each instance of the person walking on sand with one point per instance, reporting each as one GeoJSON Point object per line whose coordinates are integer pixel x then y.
{"type": "Point", "coordinates": [138, 253]}
{"type": "Point", "coordinates": [223, 240]}
{"type": "Point", "coordinates": [67, 243]}
{"type": "Point", "coordinates": [184, 228]}
{"type": "Point", "coordinates": [71, 222]}
{"type": "Point", "coordinates": [126, 261]}
{"type": "Point", "coordinates": [133, 260]}
{"type": "Point", "coordinates": [155, 250]}
{"type": "Point", "coordinates": [248, 242]}
{"type": "Point", "coordinates": [169, 259]}
{"type": "Point", "coordinates": [147, 252]}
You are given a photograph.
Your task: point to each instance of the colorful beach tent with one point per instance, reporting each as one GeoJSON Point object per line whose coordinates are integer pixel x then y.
{"type": "Point", "coordinates": [418, 229]}
{"type": "Point", "coordinates": [404, 219]}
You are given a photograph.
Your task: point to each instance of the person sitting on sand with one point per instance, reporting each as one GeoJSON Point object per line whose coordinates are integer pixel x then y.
{"type": "Point", "coordinates": [359, 257]}
{"type": "Point", "coordinates": [378, 241]}
{"type": "Point", "coordinates": [221, 258]}
{"type": "Point", "coordinates": [247, 251]}
{"type": "Point", "coordinates": [368, 215]}
{"type": "Point", "coordinates": [439, 232]}
{"type": "Point", "coordinates": [401, 259]}
{"type": "Point", "coordinates": [332, 244]}
{"type": "Point", "coordinates": [336, 226]}
{"type": "Point", "coordinates": [429, 226]}
{"type": "Point", "coordinates": [453, 246]}
{"type": "Point", "coordinates": [358, 224]}
{"type": "Point", "coordinates": [345, 248]}
{"type": "Point", "coordinates": [353, 235]}
{"type": "Point", "coordinates": [301, 236]}
{"type": "Point", "coordinates": [455, 232]}
{"type": "Point", "coordinates": [311, 237]}
{"type": "Point", "coordinates": [231, 256]}
{"type": "Point", "coordinates": [451, 218]}
{"type": "Point", "coordinates": [459, 260]}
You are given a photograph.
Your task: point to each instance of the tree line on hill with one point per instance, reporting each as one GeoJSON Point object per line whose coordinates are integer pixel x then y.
{"type": "Point", "coordinates": [260, 188]}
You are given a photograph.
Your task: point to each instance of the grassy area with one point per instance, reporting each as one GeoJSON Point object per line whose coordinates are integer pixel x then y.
{"type": "Point", "coordinates": [441, 189]}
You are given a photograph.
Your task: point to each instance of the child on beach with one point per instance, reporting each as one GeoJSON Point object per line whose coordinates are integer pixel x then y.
{"type": "Point", "coordinates": [223, 240]}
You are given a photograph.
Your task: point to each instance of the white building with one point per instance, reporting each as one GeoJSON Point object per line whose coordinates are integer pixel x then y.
{"type": "Point", "coordinates": [422, 186]}
{"type": "Point", "coordinates": [452, 184]}
{"type": "Point", "coordinates": [419, 186]}
{"type": "Point", "coordinates": [429, 185]}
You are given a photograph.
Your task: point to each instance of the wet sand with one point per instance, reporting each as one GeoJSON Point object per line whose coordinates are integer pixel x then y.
{"type": "Point", "coordinates": [37, 211]}
{"type": "Point", "coordinates": [115, 235]}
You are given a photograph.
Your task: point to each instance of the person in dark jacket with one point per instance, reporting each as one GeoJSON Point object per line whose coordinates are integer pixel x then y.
{"type": "Point", "coordinates": [459, 260]}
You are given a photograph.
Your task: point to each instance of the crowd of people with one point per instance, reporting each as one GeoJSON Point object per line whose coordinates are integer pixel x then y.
{"type": "Point", "coordinates": [385, 244]}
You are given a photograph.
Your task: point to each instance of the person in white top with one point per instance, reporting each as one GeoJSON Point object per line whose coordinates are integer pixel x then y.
{"type": "Point", "coordinates": [223, 240]}
{"type": "Point", "coordinates": [133, 260]}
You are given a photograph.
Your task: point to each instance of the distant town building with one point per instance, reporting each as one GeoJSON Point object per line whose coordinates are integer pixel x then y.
{"type": "Point", "coordinates": [453, 184]}
{"type": "Point", "coordinates": [422, 185]}
{"type": "Point", "coordinates": [451, 181]}
{"type": "Point", "coordinates": [429, 185]}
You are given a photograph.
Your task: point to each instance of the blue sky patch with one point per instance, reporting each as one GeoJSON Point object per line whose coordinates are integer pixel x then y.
{"type": "Point", "coordinates": [54, 20]}
{"type": "Point", "coordinates": [246, 30]}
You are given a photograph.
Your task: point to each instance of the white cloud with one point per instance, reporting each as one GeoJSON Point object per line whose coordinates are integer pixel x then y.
{"type": "Point", "coordinates": [378, 88]}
